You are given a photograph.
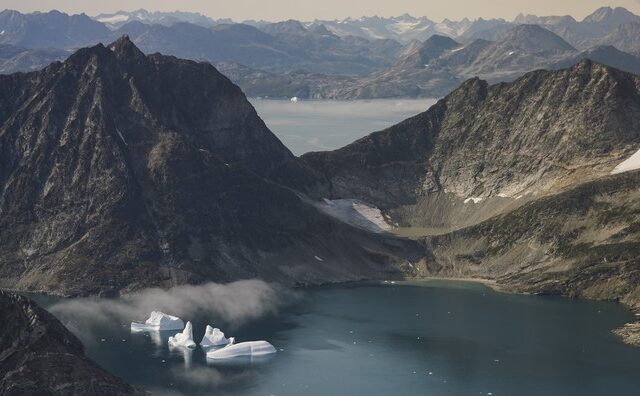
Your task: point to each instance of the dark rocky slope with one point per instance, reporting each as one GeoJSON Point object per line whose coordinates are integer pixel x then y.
{"type": "Point", "coordinates": [39, 356]}
{"type": "Point", "coordinates": [120, 171]}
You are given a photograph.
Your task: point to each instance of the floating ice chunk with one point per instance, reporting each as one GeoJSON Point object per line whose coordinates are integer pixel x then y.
{"type": "Point", "coordinates": [294, 99]}
{"type": "Point", "coordinates": [249, 348]}
{"type": "Point", "coordinates": [214, 337]}
{"type": "Point", "coordinates": [158, 321]}
{"type": "Point", "coordinates": [629, 164]}
{"type": "Point", "coordinates": [184, 339]}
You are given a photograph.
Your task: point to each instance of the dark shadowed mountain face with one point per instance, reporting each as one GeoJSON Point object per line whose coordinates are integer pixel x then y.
{"type": "Point", "coordinates": [49, 30]}
{"type": "Point", "coordinates": [120, 170]}
{"type": "Point", "coordinates": [41, 357]}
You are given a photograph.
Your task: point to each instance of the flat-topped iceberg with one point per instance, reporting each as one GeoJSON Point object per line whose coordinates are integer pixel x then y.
{"type": "Point", "coordinates": [159, 321]}
{"type": "Point", "coordinates": [214, 337]}
{"type": "Point", "coordinates": [184, 339]}
{"type": "Point", "coordinates": [249, 348]}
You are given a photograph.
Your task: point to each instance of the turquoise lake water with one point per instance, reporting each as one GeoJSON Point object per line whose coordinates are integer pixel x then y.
{"type": "Point", "coordinates": [420, 338]}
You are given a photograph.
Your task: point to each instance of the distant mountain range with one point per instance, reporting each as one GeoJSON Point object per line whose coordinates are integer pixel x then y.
{"type": "Point", "coordinates": [118, 19]}
{"type": "Point", "coordinates": [435, 67]}
{"type": "Point", "coordinates": [348, 59]}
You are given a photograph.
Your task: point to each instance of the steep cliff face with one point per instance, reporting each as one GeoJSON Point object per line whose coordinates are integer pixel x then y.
{"type": "Point", "coordinates": [120, 170]}
{"type": "Point", "coordinates": [492, 146]}
{"type": "Point", "coordinates": [39, 356]}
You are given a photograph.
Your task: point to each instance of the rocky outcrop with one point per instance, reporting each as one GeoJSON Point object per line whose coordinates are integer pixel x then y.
{"type": "Point", "coordinates": [120, 171]}
{"type": "Point", "coordinates": [39, 356]}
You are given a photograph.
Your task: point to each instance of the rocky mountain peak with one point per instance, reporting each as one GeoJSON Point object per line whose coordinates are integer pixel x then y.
{"type": "Point", "coordinates": [125, 48]}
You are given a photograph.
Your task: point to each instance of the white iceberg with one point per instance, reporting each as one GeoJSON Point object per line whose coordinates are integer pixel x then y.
{"type": "Point", "coordinates": [294, 99]}
{"type": "Point", "coordinates": [158, 321]}
{"type": "Point", "coordinates": [184, 339]}
{"type": "Point", "coordinates": [249, 348]}
{"type": "Point", "coordinates": [214, 337]}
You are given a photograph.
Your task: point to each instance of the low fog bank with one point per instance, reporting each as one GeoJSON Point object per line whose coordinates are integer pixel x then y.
{"type": "Point", "coordinates": [233, 303]}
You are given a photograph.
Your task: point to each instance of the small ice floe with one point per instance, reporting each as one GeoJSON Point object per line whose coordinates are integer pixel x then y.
{"type": "Point", "coordinates": [249, 348]}
{"type": "Point", "coordinates": [158, 321]}
{"type": "Point", "coordinates": [294, 99]}
{"type": "Point", "coordinates": [318, 258]}
{"type": "Point", "coordinates": [184, 339]}
{"type": "Point", "coordinates": [214, 337]}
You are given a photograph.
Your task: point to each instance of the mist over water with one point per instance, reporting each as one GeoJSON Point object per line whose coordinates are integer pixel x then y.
{"type": "Point", "coordinates": [233, 303]}
{"type": "Point", "coordinates": [319, 125]}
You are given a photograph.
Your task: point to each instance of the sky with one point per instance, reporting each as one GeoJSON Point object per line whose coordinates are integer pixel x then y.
{"type": "Point", "coordinates": [276, 10]}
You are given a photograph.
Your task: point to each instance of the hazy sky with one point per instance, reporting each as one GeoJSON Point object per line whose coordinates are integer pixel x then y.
{"type": "Point", "coordinates": [330, 9]}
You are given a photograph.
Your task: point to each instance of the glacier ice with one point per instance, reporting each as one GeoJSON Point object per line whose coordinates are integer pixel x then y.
{"type": "Point", "coordinates": [249, 348]}
{"type": "Point", "coordinates": [214, 337]}
{"type": "Point", "coordinates": [159, 321]}
{"type": "Point", "coordinates": [355, 213]}
{"type": "Point", "coordinates": [184, 339]}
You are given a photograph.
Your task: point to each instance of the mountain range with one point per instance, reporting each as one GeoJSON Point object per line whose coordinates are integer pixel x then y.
{"type": "Point", "coordinates": [120, 171]}
{"type": "Point", "coordinates": [436, 66]}
{"type": "Point", "coordinates": [318, 60]}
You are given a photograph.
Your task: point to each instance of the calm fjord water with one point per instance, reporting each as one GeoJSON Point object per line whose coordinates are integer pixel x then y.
{"type": "Point", "coordinates": [419, 338]}
{"type": "Point", "coordinates": [318, 125]}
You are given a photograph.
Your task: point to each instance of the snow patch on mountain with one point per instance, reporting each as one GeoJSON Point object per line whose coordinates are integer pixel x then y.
{"type": "Point", "coordinates": [355, 213]}
{"type": "Point", "coordinates": [629, 164]}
